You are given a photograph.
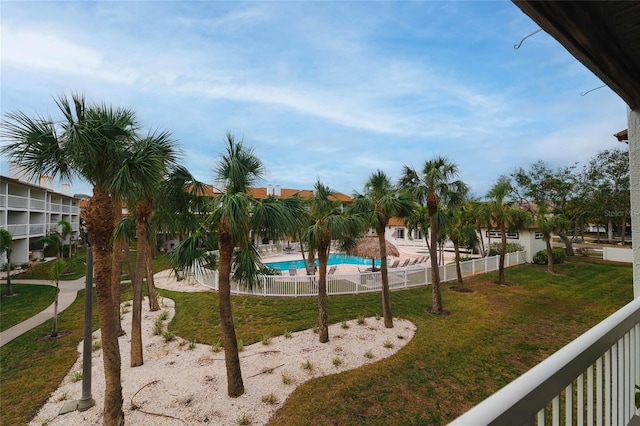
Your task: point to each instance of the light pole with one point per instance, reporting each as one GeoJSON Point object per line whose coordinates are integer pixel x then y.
{"type": "Point", "coordinates": [87, 401]}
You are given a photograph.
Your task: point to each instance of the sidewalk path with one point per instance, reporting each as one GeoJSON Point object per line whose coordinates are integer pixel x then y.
{"type": "Point", "coordinates": [68, 293]}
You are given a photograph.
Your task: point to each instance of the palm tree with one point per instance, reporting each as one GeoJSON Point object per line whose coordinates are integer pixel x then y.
{"type": "Point", "coordinates": [380, 202]}
{"type": "Point", "coordinates": [327, 221]}
{"type": "Point", "coordinates": [65, 231]}
{"type": "Point", "coordinates": [57, 269]}
{"type": "Point", "coordinates": [434, 189]}
{"type": "Point", "coordinates": [116, 261]}
{"type": "Point", "coordinates": [419, 219]}
{"type": "Point", "coordinates": [149, 161]}
{"type": "Point", "coordinates": [461, 230]}
{"type": "Point", "coordinates": [52, 240]}
{"type": "Point", "coordinates": [502, 213]}
{"type": "Point", "coordinates": [90, 142]}
{"type": "Point", "coordinates": [549, 223]}
{"type": "Point", "coordinates": [234, 216]}
{"type": "Point", "coordinates": [6, 241]}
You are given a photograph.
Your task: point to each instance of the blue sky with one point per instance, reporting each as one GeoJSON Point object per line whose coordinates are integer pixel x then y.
{"type": "Point", "coordinates": [322, 90]}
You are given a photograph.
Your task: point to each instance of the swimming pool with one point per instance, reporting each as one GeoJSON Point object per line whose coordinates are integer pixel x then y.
{"type": "Point", "coordinates": [334, 259]}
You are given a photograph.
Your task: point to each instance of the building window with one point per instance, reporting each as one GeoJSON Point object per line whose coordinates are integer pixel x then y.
{"type": "Point", "coordinates": [498, 234]}
{"type": "Point", "coordinates": [417, 234]}
{"type": "Point", "coordinates": [539, 236]}
{"type": "Point", "coordinates": [398, 234]}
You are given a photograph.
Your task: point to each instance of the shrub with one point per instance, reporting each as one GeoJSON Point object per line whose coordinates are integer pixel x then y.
{"type": "Point", "coordinates": [584, 251]}
{"type": "Point", "coordinates": [270, 398]}
{"type": "Point", "coordinates": [559, 256]}
{"type": "Point", "coordinates": [512, 247]}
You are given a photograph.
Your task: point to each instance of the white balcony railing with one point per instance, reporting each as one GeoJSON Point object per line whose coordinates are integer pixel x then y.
{"type": "Point", "coordinates": [18, 230]}
{"type": "Point", "coordinates": [37, 204]}
{"type": "Point", "coordinates": [17, 202]}
{"type": "Point", "coordinates": [590, 381]}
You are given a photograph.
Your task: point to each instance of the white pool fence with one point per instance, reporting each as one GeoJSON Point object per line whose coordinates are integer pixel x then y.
{"type": "Point", "coordinates": [359, 282]}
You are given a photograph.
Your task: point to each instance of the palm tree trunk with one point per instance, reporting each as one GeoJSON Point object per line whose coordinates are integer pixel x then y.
{"type": "Point", "coordinates": [99, 217]}
{"type": "Point", "coordinates": [151, 286]}
{"type": "Point", "coordinates": [323, 319]}
{"type": "Point", "coordinates": [116, 268]}
{"type": "Point", "coordinates": [235, 386]}
{"type": "Point", "coordinates": [136, 321]}
{"type": "Point", "coordinates": [384, 272]}
{"type": "Point", "coordinates": [54, 329]}
{"type": "Point", "coordinates": [456, 248]}
{"type": "Point", "coordinates": [436, 297]}
{"type": "Point", "coordinates": [503, 249]}
{"type": "Point", "coordinates": [128, 257]}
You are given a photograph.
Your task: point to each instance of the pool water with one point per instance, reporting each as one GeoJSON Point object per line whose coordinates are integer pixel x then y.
{"type": "Point", "coordinates": [334, 259]}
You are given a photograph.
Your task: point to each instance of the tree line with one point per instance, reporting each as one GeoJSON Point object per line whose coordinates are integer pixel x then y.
{"type": "Point", "coordinates": [106, 147]}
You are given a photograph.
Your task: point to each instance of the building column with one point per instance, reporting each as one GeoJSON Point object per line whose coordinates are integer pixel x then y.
{"type": "Point", "coordinates": [634, 172]}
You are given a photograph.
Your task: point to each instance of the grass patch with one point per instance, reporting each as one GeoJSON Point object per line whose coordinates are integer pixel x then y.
{"type": "Point", "coordinates": [76, 268]}
{"type": "Point", "coordinates": [31, 370]}
{"type": "Point", "coordinates": [30, 300]}
{"type": "Point", "coordinates": [492, 335]}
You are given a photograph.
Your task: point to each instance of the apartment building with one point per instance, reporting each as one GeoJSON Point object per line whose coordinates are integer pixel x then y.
{"type": "Point", "coordinates": [29, 212]}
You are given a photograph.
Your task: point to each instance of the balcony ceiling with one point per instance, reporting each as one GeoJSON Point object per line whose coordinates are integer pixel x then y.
{"type": "Point", "coordinates": [603, 35]}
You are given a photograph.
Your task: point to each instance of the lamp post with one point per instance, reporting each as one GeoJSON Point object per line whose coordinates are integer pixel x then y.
{"type": "Point", "coordinates": [87, 401]}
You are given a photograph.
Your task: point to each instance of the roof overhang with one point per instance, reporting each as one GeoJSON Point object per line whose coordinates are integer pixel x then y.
{"type": "Point", "coordinates": [603, 35]}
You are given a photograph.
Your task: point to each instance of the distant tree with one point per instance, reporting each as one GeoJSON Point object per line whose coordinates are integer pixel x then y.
{"type": "Point", "coordinates": [380, 202]}
{"type": "Point", "coordinates": [52, 242]}
{"type": "Point", "coordinates": [609, 186]}
{"type": "Point", "coordinates": [460, 229]}
{"type": "Point", "coordinates": [419, 219]}
{"type": "Point", "coordinates": [505, 215]}
{"type": "Point", "coordinates": [6, 241]}
{"type": "Point", "coordinates": [542, 184]}
{"type": "Point", "coordinates": [327, 221]}
{"type": "Point", "coordinates": [151, 159]}
{"type": "Point", "coordinates": [233, 217]}
{"type": "Point", "coordinates": [548, 224]}
{"type": "Point", "coordinates": [434, 188]}
{"type": "Point", "coordinates": [65, 231]}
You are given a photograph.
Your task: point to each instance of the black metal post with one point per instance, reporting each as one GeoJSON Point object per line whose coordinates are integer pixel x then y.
{"type": "Point", "coordinates": [87, 401]}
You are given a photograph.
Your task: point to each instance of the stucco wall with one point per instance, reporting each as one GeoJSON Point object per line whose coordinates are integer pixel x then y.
{"type": "Point", "coordinates": [617, 254]}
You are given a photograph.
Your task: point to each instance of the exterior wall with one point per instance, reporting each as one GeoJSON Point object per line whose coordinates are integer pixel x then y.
{"type": "Point", "coordinates": [400, 236]}
{"type": "Point", "coordinates": [527, 238]}
{"type": "Point", "coordinates": [617, 254]}
{"type": "Point", "coordinates": [30, 212]}
{"type": "Point", "coordinates": [634, 171]}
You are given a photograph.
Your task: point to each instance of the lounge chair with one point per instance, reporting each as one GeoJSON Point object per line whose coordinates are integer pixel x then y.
{"type": "Point", "coordinates": [332, 270]}
{"type": "Point", "coordinates": [395, 264]}
{"type": "Point", "coordinates": [406, 262]}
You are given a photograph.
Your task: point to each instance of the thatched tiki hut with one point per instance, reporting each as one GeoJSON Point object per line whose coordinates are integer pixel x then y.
{"type": "Point", "coordinates": [369, 248]}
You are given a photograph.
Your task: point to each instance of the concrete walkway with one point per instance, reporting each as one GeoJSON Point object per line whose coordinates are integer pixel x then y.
{"type": "Point", "coordinates": [68, 293]}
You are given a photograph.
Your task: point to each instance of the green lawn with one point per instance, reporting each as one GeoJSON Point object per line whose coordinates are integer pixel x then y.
{"type": "Point", "coordinates": [492, 335]}
{"type": "Point", "coordinates": [29, 300]}
{"type": "Point", "coordinates": [31, 368]}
